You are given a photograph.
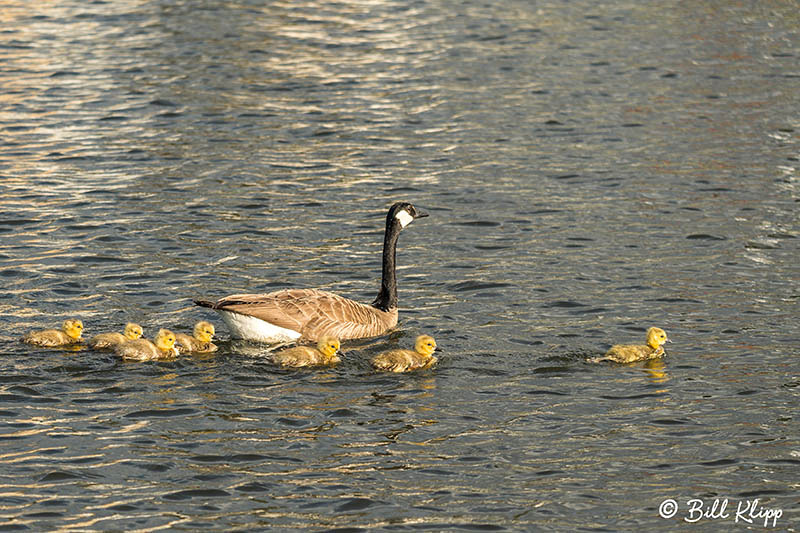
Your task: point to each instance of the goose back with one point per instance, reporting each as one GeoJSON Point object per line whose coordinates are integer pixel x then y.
{"type": "Point", "coordinates": [311, 313]}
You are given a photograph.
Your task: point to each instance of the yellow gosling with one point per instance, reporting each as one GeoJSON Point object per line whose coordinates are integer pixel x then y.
{"type": "Point", "coordinates": [109, 340]}
{"type": "Point", "coordinates": [70, 333]}
{"type": "Point", "coordinates": [406, 360]}
{"type": "Point", "coordinates": [200, 342]}
{"type": "Point", "coordinates": [323, 354]}
{"type": "Point", "coordinates": [144, 350]}
{"type": "Point", "coordinates": [630, 353]}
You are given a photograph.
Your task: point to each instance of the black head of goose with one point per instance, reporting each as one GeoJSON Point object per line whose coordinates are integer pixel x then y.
{"type": "Point", "coordinates": [310, 314]}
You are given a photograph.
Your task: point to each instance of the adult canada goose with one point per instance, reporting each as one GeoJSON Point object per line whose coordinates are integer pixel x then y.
{"type": "Point", "coordinates": [70, 333]}
{"type": "Point", "coordinates": [630, 353]}
{"type": "Point", "coordinates": [109, 340]}
{"type": "Point", "coordinates": [406, 360]}
{"type": "Point", "coordinates": [310, 314]}
{"type": "Point", "coordinates": [200, 342]}
{"type": "Point", "coordinates": [144, 350]}
{"type": "Point", "coordinates": [324, 353]}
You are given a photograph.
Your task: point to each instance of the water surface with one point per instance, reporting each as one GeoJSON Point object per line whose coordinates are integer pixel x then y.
{"type": "Point", "coordinates": [591, 169]}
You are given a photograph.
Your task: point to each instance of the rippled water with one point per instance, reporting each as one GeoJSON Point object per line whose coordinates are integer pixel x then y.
{"type": "Point", "coordinates": [590, 169]}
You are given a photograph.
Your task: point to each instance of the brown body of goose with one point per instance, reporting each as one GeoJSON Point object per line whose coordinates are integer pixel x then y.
{"type": "Point", "coordinates": [200, 342]}
{"type": "Point", "coordinates": [407, 360]}
{"type": "Point", "coordinates": [310, 314]}
{"type": "Point", "coordinates": [70, 333]}
{"type": "Point", "coordinates": [144, 350]}
{"type": "Point", "coordinates": [324, 353]}
{"type": "Point", "coordinates": [630, 353]}
{"type": "Point", "coordinates": [109, 340]}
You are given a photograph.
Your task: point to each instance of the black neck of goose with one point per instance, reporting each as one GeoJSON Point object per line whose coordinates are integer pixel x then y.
{"type": "Point", "coordinates": [387, 297]}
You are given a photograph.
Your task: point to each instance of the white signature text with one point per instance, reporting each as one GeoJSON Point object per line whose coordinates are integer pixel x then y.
{"type": "Point", "coordinates": [747, 511]}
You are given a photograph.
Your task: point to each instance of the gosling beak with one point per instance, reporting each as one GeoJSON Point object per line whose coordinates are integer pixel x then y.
{"type": "Point", "coordinates": [437, 349]}
{"type": "Point", "coordinates": [669, 341]}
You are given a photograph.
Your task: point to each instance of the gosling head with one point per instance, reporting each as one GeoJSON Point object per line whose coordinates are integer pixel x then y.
{"type": "Point", "coordinates": [404, 213]}
{"type": "Point", "coordinates": [73, 328]}
{"type": "Point", "coordinates": [204, 331]}
{"type": "Point", "coordinates": [329, 346]}
{"type": "Point", "coordinates": [656, 337]}
{"type": "Point", "coordinates": [132, 331]}
{"type": "Point", "coordinates": [425, 345]}
{"type": "Point", "coordinates": [165, 341]}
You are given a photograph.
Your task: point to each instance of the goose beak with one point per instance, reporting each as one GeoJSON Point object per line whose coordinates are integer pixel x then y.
{"type": "Point", "coordinates": [421, 214]}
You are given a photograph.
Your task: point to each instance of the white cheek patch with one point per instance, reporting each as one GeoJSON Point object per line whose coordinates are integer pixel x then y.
{"type": "Point", "coordinates": [404, 218]}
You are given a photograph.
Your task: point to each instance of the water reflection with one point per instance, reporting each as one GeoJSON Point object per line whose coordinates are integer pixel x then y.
{"type": "Point", "coordinates": [656, 371]}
